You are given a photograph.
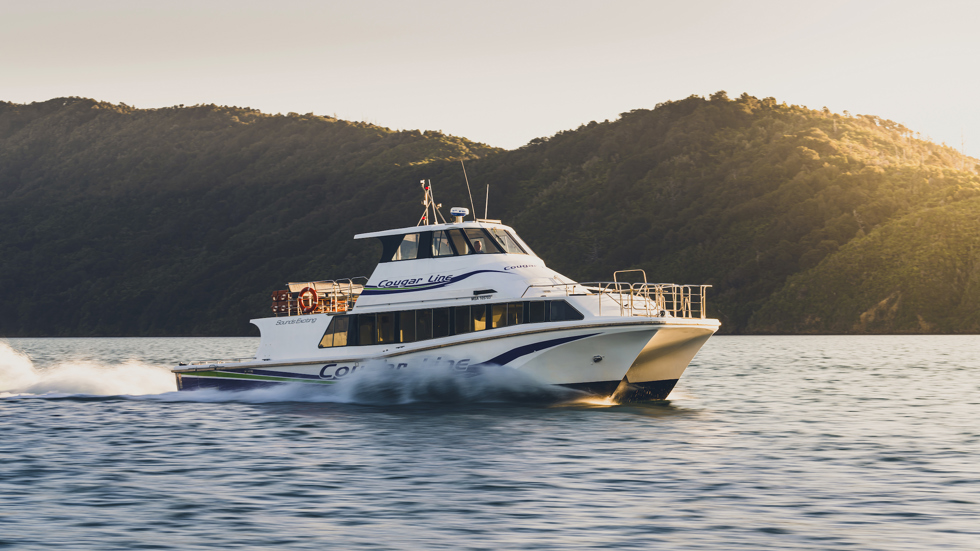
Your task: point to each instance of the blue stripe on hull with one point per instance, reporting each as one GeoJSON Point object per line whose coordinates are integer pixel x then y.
{"type": "Point", "coordinates": [631, 392]}
{"type": "Point", "coordinates": [520, 351]}
{"type": "Point", "coordinates": [270, 373]}
{"type": "Point", "coordinates": [223, 383]}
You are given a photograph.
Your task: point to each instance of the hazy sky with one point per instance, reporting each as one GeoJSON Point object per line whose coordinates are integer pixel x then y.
{"type": "Point", "coordinates": [501, 72]}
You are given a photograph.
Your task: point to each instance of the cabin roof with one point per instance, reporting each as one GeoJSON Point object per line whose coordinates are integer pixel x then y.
{"type": "Point", "coordinates": [433, 227]}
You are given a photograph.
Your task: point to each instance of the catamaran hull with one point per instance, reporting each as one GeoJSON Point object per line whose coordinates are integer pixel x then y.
{"type": "Point", "coordinates": [633, 361]}
{"type": "Point", "coordinates": [661, 363]}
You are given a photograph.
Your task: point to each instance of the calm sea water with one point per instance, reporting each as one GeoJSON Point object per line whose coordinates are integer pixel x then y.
{"type": "Point", "coordinates": [767, 442]}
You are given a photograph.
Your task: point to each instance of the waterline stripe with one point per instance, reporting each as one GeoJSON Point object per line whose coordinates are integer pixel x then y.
{"type": "Point", "coordinates": [235, 375]}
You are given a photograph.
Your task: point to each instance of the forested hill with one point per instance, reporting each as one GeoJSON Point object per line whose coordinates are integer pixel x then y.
{"type": "Point", "coordinates": [119, 221]}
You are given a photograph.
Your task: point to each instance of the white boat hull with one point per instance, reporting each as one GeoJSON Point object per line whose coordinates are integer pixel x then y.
{"type": "Point", "coordinates": [646, 356]}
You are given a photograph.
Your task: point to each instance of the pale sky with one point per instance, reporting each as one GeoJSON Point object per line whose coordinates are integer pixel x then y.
{"type": "Point", "coordinates": [501, 73]}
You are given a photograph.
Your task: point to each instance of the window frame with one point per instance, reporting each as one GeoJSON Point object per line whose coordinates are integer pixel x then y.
{"type": "Point", "coordinates": [398, 249]}
{"type": "Point", "coordinates": [334, 333]}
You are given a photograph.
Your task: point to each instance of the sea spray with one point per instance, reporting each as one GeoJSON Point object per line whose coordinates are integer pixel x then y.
{"type": "Point", "coordinates": [433, 382]}
{"type": "Point", "coordinates": [376, 383]}
{"type": "Point", "coordinates": [20, 377]}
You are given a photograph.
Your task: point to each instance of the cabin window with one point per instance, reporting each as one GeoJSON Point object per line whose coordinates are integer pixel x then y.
{"type": "Point", "coordinates": [464, 324]}
{"type": "Point", "coordinates": [563, 311]}
{"type": "Point", "coordinates": [515, 313]}
{"type": "Point", "coordinates": [440, 322]}
{"type": "Point", "coordinates": [386, 328]}
{"type": "Point", "coordinates": [336, 334]}
{"type": "Point", "coordinates": [459, 242]}
{"type": "Point", "coordinates": [479, 242]}
{"type": "Point", "coordinates": [509, 244]}
{"type": "Point", "coordinates": [406, 326]}
{"type": "Point", "coordinates": [504, 315]}
{"type": "Point", "coordinates": [366, 329]}
{"type": "Point", "coordinates": [478, 318]}
{"type": "Point", "coordinates": [418, 325]}
{"type": "Point", "coordinates": [498, 316]}
{"type": "Point", "coordinates": [440, 245]}
{"type": "Point", "coordinates": [408, 249]}
{"type": "Point", "coordinates": [423, 324]}
{"type": "Point", "coordinates": [535, 311]}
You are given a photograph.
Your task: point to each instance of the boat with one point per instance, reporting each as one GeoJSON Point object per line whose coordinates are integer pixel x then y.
{"type": "Point", "coordinates": [471, 295]}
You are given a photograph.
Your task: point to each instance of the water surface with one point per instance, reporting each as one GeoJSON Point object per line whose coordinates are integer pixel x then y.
{"type": "Point", "coordinates": [767, 442]}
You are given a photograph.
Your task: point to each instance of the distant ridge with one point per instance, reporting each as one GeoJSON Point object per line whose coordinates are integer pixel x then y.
{"type": "Point", "coordinates": [181, 221]}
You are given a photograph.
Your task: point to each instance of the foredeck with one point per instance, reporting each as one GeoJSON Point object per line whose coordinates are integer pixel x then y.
{"type": "Point", "coordinates": [634, 299]}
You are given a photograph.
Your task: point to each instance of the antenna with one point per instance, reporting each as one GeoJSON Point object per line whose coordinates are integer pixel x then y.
{"type": "Point", "coordinates": [427, 201]}
{"type": "Point", "coordinates": [436, 215]}
{"type": "Point", "coordinates": [468, 189]}
{"type": "Point", "coordinates": [486, 207]}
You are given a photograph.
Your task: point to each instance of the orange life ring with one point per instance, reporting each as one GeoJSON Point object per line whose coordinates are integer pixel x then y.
{"type": "Point", "coordinates": [301, 300]}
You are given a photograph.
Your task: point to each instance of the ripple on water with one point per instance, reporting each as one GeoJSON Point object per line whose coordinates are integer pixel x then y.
{"type": "Point", "coordinates": [767, 442]}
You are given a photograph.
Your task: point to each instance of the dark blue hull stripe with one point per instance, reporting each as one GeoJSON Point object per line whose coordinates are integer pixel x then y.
{"type": "Point", "coordinates": [190, 382]}
{"type": "Point", "coordinates": [512, 355]}
{"type": "Point", "coordinates": [224, 383]}
{"type": "Point", "coordinates": [632, 392]}
{"type": "Point", "coordinates": [289, 375]}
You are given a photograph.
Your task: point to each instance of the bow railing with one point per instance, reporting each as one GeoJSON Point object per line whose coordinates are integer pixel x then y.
{"type": "Point", "coordinates": [634, 299]}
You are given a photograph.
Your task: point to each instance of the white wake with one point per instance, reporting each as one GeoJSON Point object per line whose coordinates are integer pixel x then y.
{"type": "Point", "coordinates": [422, 382]}
{"type": "Point", "coordinates": [20, 377]}
{"type": "Point", "coordinates": [375, 384]}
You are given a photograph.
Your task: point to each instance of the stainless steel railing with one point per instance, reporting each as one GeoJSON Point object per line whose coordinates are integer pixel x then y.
{"type": "Point", "coordinates": [334, 295]}
{"type": "Point", "coordinates": [634, 299]}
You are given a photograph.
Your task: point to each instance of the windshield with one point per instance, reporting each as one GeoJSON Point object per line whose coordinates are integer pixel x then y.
{"type": "Point", "coordinates": [507, 241]}
{"type": "Point", "coordinates": [479, 242]}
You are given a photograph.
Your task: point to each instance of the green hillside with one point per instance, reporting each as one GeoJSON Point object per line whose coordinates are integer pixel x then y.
{"type": "Point", "coordinates": [740, 193]}
{"type": "Point", "coordinates": [120, 221]}
{"type": "Point", "coordinates": [917, 274]}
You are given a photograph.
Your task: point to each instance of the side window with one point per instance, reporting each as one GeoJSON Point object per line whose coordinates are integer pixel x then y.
{"type": "Point", "coordinates": [406, 326]}
{"type": "Point", "coordinates": [440, 322]}
{"type": "Point", "coordinates": [408, 249]}
{"type": "Point", "coordinates": [504, 315]}
{"type": "Point", "coordinates": [366, 329]}
{"type": "Point", "coordinates": [386, 328]}
{"type": "Point", "coordinates": [563, 311]}
{"type": "Point", "coordinates": [507, 242]}
{"type": "Point", "coordinates": [535, 311]}
{"type": "Point", "coordinates": [479, 241]}
{"type": "Point", "coordinates": [336, 334]}
{"type": "Point", "coordinates": [478, 318]}
{"type": "Point", "coordinates": [440, 245]}
{"type": "Point", "coordinates": [459, 242]}
{"type": "Point", "coordinates": [515, 313]}
{"type": "Point", "coordinates": [498, 315]}
{"type": "Point", "coordinates": [423, 324]}
{"type": "Point", "coordinates": [464, 323]}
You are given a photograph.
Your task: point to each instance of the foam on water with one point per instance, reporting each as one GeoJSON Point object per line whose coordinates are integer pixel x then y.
{"type": "Point", "coordinates": [374, 384]}
{"type": "Point", "coordinates": [20, 377]}
{"type": "Point", "coordinates": [811, 442]}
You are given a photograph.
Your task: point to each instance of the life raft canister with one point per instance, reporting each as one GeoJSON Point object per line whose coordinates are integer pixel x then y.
{"type": "Point", "coordinates": [301, 300]}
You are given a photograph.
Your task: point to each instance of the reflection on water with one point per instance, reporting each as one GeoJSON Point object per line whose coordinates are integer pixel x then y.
{"type": "Point", "coordinates": [767, 442]}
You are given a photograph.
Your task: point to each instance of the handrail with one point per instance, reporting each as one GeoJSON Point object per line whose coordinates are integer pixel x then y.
{"type": "Point", "coordinates": [339, 294]}
{"type": "Point", "coordinates": [638, 299]}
